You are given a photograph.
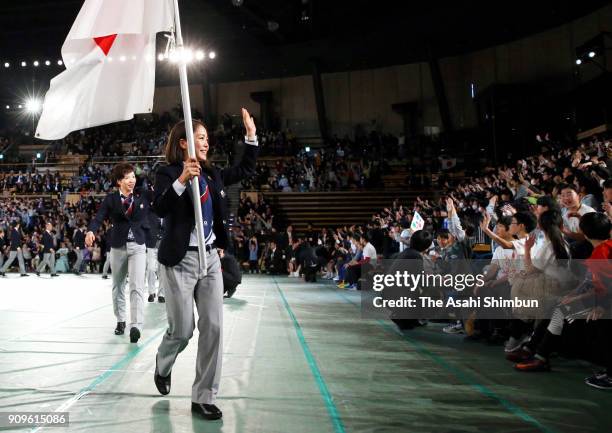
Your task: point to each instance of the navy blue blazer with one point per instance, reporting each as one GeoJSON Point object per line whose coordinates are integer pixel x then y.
{"type": "Point", "coordinates": [78, 239]}
{"type": "Point", "coordinates": [48, 242]}
{"type": "Point", "coordinates": [177, 211]}
{"type": "Point", "coordinates": [154, 223]}
{"type": "Point", "coordinates": [15, 239]}
{"type": "Point", "coordinates": [112, 208]}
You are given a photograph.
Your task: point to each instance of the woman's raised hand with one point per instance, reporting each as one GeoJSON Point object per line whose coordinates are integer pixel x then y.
{"type": "Point", "coordinates": [249, 125]}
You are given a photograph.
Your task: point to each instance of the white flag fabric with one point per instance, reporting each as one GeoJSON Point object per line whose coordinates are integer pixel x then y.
{"type": "Point", "coordinates": [109, 56]}
{"type": "Point", "coordinates": [417, 222]}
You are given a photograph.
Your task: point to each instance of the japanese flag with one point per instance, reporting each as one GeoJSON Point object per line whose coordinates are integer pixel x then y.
{"type": "Point", "coordinates": [109, 56]}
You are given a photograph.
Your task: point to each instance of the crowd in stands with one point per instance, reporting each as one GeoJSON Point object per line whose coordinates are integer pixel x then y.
{"type": "Point", "coordinates": [340, 164]}
{"type": "Point", "coordinates": [23, 223]}
{"type": "Point", "coordinates": [539, 212]}
{"type": "Point", "coordinates": [532, 222]}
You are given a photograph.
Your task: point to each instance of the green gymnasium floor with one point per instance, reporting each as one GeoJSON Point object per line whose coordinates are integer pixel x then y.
{"type": "Point", "coordinates": [298, 358]}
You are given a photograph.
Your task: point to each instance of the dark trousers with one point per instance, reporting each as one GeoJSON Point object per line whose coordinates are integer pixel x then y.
{"type": "Point", "coordinates": [353, 273]}
{"type": "Point", "coordinates": [310, 273]}
{"type": "Point", "coordinates": [602, 330]}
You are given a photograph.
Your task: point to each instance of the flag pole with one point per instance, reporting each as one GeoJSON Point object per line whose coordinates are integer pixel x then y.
{"type": "Point", "coordinates": [195, 185]}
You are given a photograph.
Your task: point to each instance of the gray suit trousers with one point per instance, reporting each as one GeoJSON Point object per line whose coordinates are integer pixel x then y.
{"type": "Point", "coordinates": [130, 259]}
{"type": "Point", "coordinates": [79, 260]}
{"type": "Point", "coordinates": [48, 260]}
{"type": "Point", "coordinates": [106, 266]}
{"type": "Point", "coordinates": [11, 258]}
{"type": "Point", "coordinates": [183, 284]}
{"type": "Point", "coordinates": [152, 272]}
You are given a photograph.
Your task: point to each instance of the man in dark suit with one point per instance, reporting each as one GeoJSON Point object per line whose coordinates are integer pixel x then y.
{"type": "Point", "coordinates": [48, 252]}
{"type": "Point", "coordinates": [78, 242]}
{"type": "Point", "coordinates": [127, 209]}
{"type": "Point", "coordinates": [285, 239]}
{"type": "Point", "coordinates": [15, 251]}
{"type": "Point", "coordinates": [308, 260]}
{"type": "Point", "coordinates": [276, 262]}
{"type": "Point", "coordinates": [181, 273]}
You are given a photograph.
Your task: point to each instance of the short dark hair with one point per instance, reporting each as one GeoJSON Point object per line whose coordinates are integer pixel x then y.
{"type": "Point", "coordinates": [443, 233]}
{"type": "Point", "coordinates": [505, 221]}
{"type": "Point", "coordinates": [527, 219]}
{"type": "Point", "coordinates": [571, 186]}
{"type": "Point", "coordinates": [545, 200]}
{"type": "Point", "coordinates": [120, 170]}
{"type": "Point", "coordinates": [596, 226]}
{"type": "Point", "coordinates": [608, 183]}
{"type": "Point", "coordinates": [548, 201]}
{"type": "Point", "coordinates": [590, 185]}
{"type": "Point", "coordinates": [421, 240]}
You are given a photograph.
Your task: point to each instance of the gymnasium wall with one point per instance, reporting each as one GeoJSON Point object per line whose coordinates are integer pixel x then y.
{"type": "Point", "coordinates": [365, 96]}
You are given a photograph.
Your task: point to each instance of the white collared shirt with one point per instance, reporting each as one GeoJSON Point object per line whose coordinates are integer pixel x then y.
{"type": "Point", "coordinates": [179, 188]}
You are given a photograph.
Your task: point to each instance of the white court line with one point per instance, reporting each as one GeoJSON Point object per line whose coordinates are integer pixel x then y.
{"type": "Point", "coordinates": [102, 377]}
{"type": "Point", "coordinates": [131, 355]}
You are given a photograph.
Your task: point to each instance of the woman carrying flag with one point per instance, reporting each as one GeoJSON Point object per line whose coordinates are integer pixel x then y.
{"type": "Point", "coordinates": [181, 273]}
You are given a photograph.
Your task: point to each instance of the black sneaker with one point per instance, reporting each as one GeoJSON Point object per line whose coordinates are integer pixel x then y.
{"type": "Point", "coordinates": [120, 329]}
{"type": "Point", "coordinates": [206, 411]}
{"type": "Point", "coordinates": [54, 275]}
{"type": "Point", "coordinates": [134, 335]}
{"type": "Point", "coordinates": [105, 277]}
{"type": "Point", "coordinates": [151, 298]}
{"type": "Point", "coordinates": [37, 274]}
{"type": "Point", "coordinates": [161, 299]}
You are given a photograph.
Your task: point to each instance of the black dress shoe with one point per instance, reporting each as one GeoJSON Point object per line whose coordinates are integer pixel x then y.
{"type": "Point", "coordinates": [54, 275]}
{"type": "Point", "coordinates": [206, 411]}
{"type": "Point", "coordinates": [120, 329]}
{"type": "Point", "coordinates": [24, 275]}
{"type": "Point", "coordinates": [151, 298]}
{"type": "Point", "coordinates": [134, 335]}
{"type": "Point", "coordinates": [77, 273]}
{"type": "Point", "coordinates": [161, 299]}
{"type": "Point", "coordinates": [105, 277]}
{"type": "Point", "coordinates": [162, 383]}
{"type": "Point", "coordinates": [37, 274]}
{"type": "Point", "coordinates": [2, 274]}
